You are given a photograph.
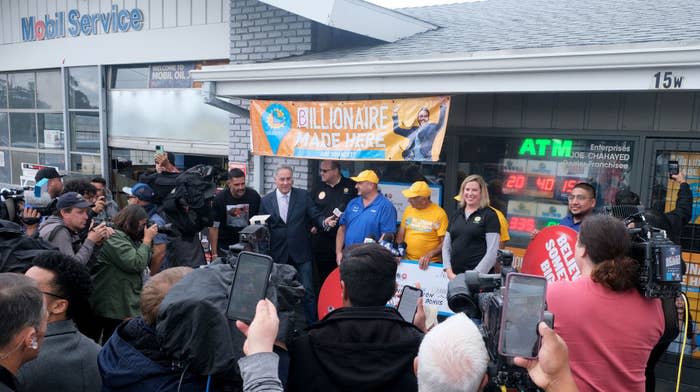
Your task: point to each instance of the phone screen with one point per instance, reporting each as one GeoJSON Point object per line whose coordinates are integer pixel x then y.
{"type": "Point", "coordinates": [409, 302]}
{"type": "Point", "coordinates": [159, 149]}
{"type": "Point", "coordinates": [673, 168]}
{"type": "Point", "coordinates": [523, 308]}
{"type": "Point", "coordinates": [249, 285]}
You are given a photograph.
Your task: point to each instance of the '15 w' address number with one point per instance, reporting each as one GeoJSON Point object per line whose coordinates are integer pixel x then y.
{"type": "Point", "coordinates": [668, 80]}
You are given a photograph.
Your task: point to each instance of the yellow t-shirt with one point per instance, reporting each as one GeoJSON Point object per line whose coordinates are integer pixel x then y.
{"type": "Point", "coordinates": [424, 229]}
{"type": "Point", "coordinates": [504, 224]}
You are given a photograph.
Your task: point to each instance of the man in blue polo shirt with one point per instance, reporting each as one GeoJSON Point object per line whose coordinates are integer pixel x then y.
{"type": "Point", "coordinates": [370, 214]}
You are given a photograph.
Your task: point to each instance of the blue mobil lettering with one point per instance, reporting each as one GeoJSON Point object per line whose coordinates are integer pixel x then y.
{"type": "Point", "coordinates": [114, 21]}
{"type": "Point", "coordinates": [48, 28]}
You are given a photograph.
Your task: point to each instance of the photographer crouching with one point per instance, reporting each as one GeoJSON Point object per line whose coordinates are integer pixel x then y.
{"type": "Point", "coordinates": [609, 327]}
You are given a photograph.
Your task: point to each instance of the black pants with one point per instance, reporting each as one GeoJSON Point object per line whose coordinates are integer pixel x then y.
{"type": "Point", "coordinates": [324, 259]}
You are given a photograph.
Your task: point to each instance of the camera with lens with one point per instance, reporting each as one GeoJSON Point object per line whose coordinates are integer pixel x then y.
{"type": "Point", "coordinates": [660, 263]}
{"type": "Point", "coordinates": [252, 238]}
{"type": "Point", "coordinates": [480, 296]}
{"type": "Point", "coordinates": [166, 229]}
{"type": "Point", "coordinates": [10, 198]}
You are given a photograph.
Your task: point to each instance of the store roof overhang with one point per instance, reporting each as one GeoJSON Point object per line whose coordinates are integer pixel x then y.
{"type": "Point", "coordinates": [571, 69]}
{"type": "Point", "coordinates": [357, 16]}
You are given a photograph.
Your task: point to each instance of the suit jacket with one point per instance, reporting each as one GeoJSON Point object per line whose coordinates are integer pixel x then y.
{"type": "Point", "coordinates": [291, 239]}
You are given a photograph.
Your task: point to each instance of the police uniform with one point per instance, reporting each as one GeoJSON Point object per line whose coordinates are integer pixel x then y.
{"type": "Point", "coordinates": [328, 198]}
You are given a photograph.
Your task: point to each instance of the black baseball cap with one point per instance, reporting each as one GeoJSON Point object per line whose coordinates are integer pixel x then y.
{"type": "Point", "coordinates": [46, 172]}
{"type": "Point", "coordinates": [72, 199]}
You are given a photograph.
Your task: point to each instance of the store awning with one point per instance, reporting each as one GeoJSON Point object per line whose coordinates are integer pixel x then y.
{"type": "Point", "coordinates": [630, 67]}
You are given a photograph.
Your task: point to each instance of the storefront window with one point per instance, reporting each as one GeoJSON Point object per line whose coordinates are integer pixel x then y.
{"type": "Point", "coordinates": [50, 130]}
{"type": "Point", "coordinates": [85, 131]}
{"type": "Point", "coordinates": [22, 88]}
{"type": "Point", "coordinates": [530, 177]}
{"type": "Point", "coordinates": [4, 130]}
{"type": "Point", "coordinates": [23, 130]}
{"type": "Point", "coordinates": [85, 164]}
{"type": "Point", "coordinates": [19, 157]}
{"type": "Point", "coordinates": [130, 77]}
{"type": "Point", "coordinates": [3, 91]}
{"type": "Point", "coordinates": [5, 167]}
{"type": "Point", "coordinates": [58, 160]}
{"type": "Point", "coordinates": [83, 88]}
{"type": "Point", "coordinates": [48, 90]}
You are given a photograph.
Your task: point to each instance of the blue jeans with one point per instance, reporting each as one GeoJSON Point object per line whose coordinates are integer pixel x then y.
{"type": "Point", "coordinates": [305, 271]}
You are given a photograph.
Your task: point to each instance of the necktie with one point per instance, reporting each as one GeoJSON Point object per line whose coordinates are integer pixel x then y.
{"type": "Point", "coordinates": [284, 207]}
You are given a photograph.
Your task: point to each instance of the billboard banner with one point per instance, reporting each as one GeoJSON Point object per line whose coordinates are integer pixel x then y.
{"type": "Point", "coordinates": [407, 129]}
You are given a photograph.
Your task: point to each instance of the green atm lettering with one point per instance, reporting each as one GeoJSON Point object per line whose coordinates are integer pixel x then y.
{"type": "Point", "coordinates": [538, 147]}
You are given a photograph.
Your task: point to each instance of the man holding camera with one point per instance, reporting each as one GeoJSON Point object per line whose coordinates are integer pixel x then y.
{"type": "Point", "coordinates": [63, 228]}
{"type": "Point", "coordinates": [142, 195]}
{"type": "Point", "coordinates": [234, 206]}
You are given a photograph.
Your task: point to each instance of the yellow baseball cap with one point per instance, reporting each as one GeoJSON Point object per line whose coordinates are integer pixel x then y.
{"type": "Point", "coordinates": [366, 175]}
{"type": "Point", "coordinates": [418, 188]}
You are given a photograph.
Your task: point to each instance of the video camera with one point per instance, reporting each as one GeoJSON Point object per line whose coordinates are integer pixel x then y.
{"type": "Point", "coordinates": [480, 296]}
{"type": "Point", "coordinates": [252, 238]}
{"type": "Point", "coordinates": [661, 267]}
{"type": "Point", "coordinates": [10, 199]}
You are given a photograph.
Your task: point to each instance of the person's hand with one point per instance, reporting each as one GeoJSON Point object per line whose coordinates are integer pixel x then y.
{"type": "Point", "coordinates": [450, 275]}
{"type": "Point", "coordinates": [443, 101]}
{"type": "Point", "coordinates": [160, 158]}
{"type": "Point", "coordinates": [262, 332]}
{"type": "Point", "coordinates": [313, 230]}
{"type": "Point", "coordinates": [99, 205]}
{"type": "Point", "coordinates": [679, 178]}
{"type": "Point", "coordinates": [423, 262]}
{"type": "Point", "coordinates": [419, 318]}
{"type": "Point", "coordinates": [534, 232]}
{"type": "Point", "coordinates": [551, 367]}
{"type": "Point", "coordinates": [396, 110]}
{"type": "Point", "coordinates": [99, 233]}
{"type": "Point", "coordinates": [149, 233]}
{"type": "Point", "coordinates": [331, 221]}
{"type": "Point", "coordinates": [30, 217]}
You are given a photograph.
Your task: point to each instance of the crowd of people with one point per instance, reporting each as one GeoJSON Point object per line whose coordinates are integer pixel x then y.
{"type": "Point", "coordinates": [86, 315]}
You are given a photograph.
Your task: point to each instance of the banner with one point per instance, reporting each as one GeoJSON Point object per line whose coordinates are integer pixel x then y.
{"type": "Point", "coordinates": [409, 129]}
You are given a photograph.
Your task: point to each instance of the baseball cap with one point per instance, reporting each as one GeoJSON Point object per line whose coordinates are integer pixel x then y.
{"type": "Point", "coordinates": [418, 188]}
{"type": "Point", "coordinates": [46, 172]}
{"type": "Point", "coordinates": [366, 175]}
{"type": "Point", "coordinates": [140, 191]}
{"type": "Point", "coordinates": [72, 199]}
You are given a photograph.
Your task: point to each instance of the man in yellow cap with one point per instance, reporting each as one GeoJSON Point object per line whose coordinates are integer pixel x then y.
{"type": "Point", "coordinates": [369, 215]}
{"type": "Point", "coordinates": [423, 226]}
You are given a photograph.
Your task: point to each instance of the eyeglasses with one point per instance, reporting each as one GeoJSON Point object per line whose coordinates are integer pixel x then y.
{"type": "Point", "coordinates": [577, 197]}
{"type": "Point", "coordinates": [53, 295]}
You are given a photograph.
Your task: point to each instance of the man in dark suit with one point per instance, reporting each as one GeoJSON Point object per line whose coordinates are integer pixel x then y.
{"type": "Point", "coordinates": [292, 214]}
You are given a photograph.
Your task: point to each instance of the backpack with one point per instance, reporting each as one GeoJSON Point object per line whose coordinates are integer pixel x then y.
{"type": "Point", "coordinates": [161, 183]}
{"type": "Point", "coordinates": [17, 251]}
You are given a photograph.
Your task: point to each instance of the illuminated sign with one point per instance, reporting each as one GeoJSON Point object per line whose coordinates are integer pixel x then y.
{"type": "Point", "coordinates": [543, 147]}
{"type": "Point", "coordinates": [35, 29]}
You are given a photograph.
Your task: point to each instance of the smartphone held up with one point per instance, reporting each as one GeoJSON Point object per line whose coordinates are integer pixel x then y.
{"type": "Point", "coordinates": [249, 285]}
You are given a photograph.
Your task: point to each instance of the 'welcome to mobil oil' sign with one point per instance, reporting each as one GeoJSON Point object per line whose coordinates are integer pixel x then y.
{"type": "Point", "coordinates": [35, 29]}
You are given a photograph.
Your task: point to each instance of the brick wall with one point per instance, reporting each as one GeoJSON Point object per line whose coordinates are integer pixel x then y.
{"type": "Point", "coordinates": [260, 32]}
